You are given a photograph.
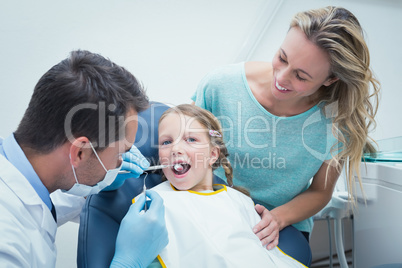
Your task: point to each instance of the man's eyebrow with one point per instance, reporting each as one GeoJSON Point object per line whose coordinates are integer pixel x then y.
{"type": "Point", "coordinates": [300, 70]}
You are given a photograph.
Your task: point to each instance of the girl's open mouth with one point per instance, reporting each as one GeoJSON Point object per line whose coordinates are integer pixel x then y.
{"type": "Point", "coordinates": [180, 168]}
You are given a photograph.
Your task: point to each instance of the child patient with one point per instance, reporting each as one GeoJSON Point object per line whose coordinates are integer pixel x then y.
{"type": "Point", "coordinates": [208, 225]}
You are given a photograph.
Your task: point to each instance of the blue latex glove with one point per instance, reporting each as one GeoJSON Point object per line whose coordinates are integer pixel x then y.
{"type": "Point", "coordinates": [134, 162]}
{"type": "Point", "coordinates": [141, 236]}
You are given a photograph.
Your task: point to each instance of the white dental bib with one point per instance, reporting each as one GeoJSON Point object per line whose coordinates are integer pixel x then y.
{"type": "Point", "coordinates": [214, 230]}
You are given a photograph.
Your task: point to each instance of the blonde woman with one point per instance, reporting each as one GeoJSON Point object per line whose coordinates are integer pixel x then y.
{"type": "Point", "coordinates": [301, 116]}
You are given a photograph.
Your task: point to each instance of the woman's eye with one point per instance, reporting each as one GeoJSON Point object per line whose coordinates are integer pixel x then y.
{"type": "Point", "coordinates": [300, 78]}
{"type": "Point", "coordinates": [166, 143]}
{"type": "Point", "coordinates": [281, 59]}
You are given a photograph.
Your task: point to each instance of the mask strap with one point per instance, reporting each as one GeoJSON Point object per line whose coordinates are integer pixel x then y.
{"type": "Point", "coordinates": [97, 156]}
{"type": "Point", "coordinates": [75, 176]}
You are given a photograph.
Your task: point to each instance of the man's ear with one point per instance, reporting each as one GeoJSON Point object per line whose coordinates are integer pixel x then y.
{"type": "Point", "coordinates": [330, 81]}
{"type": "Point", "coordinates": [80, 151]}
{"type": "Point", "coordinates": [214, 155]}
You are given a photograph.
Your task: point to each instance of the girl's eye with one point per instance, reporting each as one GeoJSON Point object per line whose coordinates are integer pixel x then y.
{"type": "Point", "coordinates": [190, 139]}
{"type": "Point", "coordinates": [166, 143]}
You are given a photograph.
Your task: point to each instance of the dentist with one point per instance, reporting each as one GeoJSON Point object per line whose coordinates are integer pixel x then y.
{"type": "Point", "coordinates": [75, 137]}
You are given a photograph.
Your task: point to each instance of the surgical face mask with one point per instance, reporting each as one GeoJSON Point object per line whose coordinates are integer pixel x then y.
{"type": "Point", "coordinates": [85, 190]}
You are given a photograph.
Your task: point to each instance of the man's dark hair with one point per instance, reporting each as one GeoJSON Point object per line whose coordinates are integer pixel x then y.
{"type": "Point", "coordinates": [84, 95]}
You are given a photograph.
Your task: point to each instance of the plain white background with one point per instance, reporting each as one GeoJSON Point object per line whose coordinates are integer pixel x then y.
{"type": "Point", "coordinates": [170, 45]}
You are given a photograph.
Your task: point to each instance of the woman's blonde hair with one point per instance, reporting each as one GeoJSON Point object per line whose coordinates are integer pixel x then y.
{"type": "Point", "coordinates": [338, 32]}
{"type": "Point", "coordinates": [210, 122]}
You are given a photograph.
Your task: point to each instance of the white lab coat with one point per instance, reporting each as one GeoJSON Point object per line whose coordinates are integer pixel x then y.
{"type": "Point", "coordinates": [68, 206]}
{"type": "Point", "coordinates": [27, 226]}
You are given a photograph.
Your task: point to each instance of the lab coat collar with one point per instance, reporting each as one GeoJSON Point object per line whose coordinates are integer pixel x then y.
{"type": "Point", "coordinates": [26, 193]}
{"type": "Point", "coordinates": [17, 158]}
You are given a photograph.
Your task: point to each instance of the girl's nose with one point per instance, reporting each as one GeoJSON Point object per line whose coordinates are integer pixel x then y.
{"type": "Point", "coordinates": [176, 148]}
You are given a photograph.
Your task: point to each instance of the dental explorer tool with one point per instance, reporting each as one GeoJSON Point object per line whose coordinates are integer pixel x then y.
{"type": "Point", "coordinates": [177, 167]}
{"type": "Point", "coordinates": [145, 195]}
{"type": "Point", "coordinates": [157, 167]}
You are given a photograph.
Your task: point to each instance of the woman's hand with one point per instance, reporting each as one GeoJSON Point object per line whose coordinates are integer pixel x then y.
{"type": "Point", "coordinates": [267, 230]}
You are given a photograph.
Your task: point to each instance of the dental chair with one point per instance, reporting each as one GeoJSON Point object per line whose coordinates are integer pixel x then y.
{"type": "Point", "coordinates": [101, 216]}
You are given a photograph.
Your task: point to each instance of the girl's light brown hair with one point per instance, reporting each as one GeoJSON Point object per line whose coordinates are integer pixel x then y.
{"type": "Point", "coordinates": [210, 122]}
